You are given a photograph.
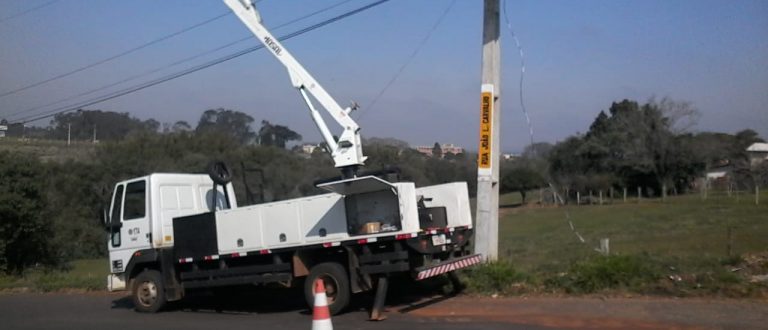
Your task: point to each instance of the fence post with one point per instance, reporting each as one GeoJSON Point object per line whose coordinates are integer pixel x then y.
{"type": "Point", "coordinates": [639, 194]}
{"type": "Point", "coordinates": [625, 195]}
{"type": "Point", "coordinates": [601, 197]}
{"type": "Point", "coordinates": [706, 186]}
{"type": "Point", "coordinates": [554, 196]}
{"type": "Point", "coordinates": [611, 195]}
{"type": "Point", "coordinates": [605, 248]}
{"type": "Point", "coordinates": [663, 192]}
{"type": "Point", "coordinates": [757, 195]}
{"type": "Point", "coordinates": [578, 198]}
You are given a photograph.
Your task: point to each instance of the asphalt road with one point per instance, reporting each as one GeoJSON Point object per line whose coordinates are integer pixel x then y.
{"type": "Point", "coordinates": [284, 309]}
{"type": "Point", "coordinates": [109, 311]}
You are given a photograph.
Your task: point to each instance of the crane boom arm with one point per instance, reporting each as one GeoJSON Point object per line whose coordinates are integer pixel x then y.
{"type": "Point", "coordinates": [347, 152]}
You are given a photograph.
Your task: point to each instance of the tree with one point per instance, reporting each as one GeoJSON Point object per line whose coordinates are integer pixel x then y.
{"type": "Point", "coordinates": [24, 233]}
{"type": "Point", "coordinates": [640, 145]}
{"type": "Point", "coordinates": [226, 122]}
{"type": "Point", "coordinates": [276, 135]}
{"type": "Point", "coordinates": [181, 126]}
{"type": "Point", "coordinates": [537, 150]}
{"type": "Point", "coordinates": [75, 194]}
{"type": "Point", "coordinates": [679, 115]}
{"type": "Point", "coordinates": [437, 151]}
{"type": "Point", "coordinates": [521, 180]}
{"type": "Point", "coordinates": [385, 141]}
{"type": "Point", "coordinates": [106, 125]}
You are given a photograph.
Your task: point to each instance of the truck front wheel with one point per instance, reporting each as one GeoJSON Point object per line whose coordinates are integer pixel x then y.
{"type": "Point", "coordinates": [148, 292]}
{"type": "Point", "coordinates": [336, 283]}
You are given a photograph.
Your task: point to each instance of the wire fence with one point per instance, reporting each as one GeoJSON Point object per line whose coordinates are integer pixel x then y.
{"type": "Point", "coordinates": [554, 196]}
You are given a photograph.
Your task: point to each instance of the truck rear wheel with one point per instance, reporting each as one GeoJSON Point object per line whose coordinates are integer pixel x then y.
{"type": "Point", "coordinates": [336, 282]}
{"type": "Point", "coordinates": [148, 292]}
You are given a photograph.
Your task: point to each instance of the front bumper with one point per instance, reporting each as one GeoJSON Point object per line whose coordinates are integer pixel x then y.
{"type": "Point", "coordinates": [116, 282]}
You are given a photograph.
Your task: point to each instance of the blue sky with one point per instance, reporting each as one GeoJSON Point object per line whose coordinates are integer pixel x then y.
{"type": "Point", "coordinates": [580, 57]}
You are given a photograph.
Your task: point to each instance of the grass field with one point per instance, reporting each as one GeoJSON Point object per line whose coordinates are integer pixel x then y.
{"type": "Point", "coordinates": [88, 274]}
{"type": "Point", "coordinates": [683, 246]}
{"type": "Point", "coordinates": [687, 227]}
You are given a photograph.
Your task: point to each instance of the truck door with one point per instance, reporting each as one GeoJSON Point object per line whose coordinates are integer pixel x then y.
{"type": "Point", "coordinates": [130, 207]}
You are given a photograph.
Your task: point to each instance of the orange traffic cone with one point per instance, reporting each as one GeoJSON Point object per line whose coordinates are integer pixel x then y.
{"type": "Point", "coordinates": [321, 316]}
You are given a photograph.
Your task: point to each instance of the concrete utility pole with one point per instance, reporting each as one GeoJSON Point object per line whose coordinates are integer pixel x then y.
{"type": "Point", "coordinates": [487, 219]}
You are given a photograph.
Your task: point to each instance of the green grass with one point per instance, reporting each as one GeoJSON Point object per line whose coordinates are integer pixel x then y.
{"type": "Point", "coordinates": [88, 275]}
{"type": "Point", "coordinates": [679, 246]}
{"type": "Point", "coordinates": [536, 238]}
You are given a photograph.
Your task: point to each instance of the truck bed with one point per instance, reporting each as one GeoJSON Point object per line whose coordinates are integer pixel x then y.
{"type": "Point", "coordinates": [324, 220]}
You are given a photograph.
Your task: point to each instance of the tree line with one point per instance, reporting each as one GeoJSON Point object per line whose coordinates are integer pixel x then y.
{"type": "Point", "coordinates": [646, 145]}
{"type": "Point", "coordinates": [51, 209]}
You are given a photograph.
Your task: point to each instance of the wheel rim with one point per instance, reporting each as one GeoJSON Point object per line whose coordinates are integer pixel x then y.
{"type": "Point", "coordinates": [147, 293]}
{"type": "Point", "coordinates": [331, 287]}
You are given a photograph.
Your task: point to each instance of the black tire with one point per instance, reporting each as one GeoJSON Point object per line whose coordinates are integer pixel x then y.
{"type": "Point", "coordinates": [219, 172]}
{"type": "Point", "coordinates": [148, 292]}
{"type": "Point", "coordinates": [336, 282]}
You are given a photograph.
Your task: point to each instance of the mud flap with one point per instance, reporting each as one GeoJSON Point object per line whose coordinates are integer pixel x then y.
{"type": "Point", "coordinates": [447, 266]}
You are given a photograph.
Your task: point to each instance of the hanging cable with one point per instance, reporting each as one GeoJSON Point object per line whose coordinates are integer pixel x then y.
{"type": "Point", "coordinates": [522, 72]}
{"type": "Point", "coordinates": [17, 15]}
{"type": "Point", "coordinates": [116, 56]}
{"type": "Point", "coordinates": [408, 61]}
{"type": "Point", "coordinates": [173, 64]}
{"type": "Point", "coordinates": [193, 69]}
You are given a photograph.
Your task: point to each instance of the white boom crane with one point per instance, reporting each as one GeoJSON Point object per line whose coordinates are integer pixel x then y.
{"type": "Point", "coordinates": [347, 152]}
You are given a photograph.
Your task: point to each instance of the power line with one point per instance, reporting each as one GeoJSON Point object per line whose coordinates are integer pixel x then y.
{"type": "Point", "coordinates": [220, 60]}
{"type": "Point", "coordinates": [130, 78]}
{"type": "Point", "coordinates": [170, 65]}
{"type": "Point", "coordinates": [113, 57]}
{"type": "Point", "coordinates": [410, 58]}
{"type": "Point", "coordinates": [522, 73]}
{"type": "Point", "coordinates": [28, 11]}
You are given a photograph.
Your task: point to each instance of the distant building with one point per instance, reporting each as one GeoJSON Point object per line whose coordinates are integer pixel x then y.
{"type": "Point", "coordinates": [510, 156]}
{"type": "Point", "coordinates": [3, 129]}
{"type": "Point", "coordinates": [451, 148]}
{"type": "Point", "coordinates": [445, 148]}
{"type": "Point", "coordinates": [758, 153]}
{"type": "Point", "coordinates": [720, 172]}
{"type": "Point", "coordinates": [308, 148]}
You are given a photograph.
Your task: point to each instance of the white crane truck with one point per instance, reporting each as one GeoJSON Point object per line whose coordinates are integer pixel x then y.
{"type": "Point", "coordinates": [170, 233]}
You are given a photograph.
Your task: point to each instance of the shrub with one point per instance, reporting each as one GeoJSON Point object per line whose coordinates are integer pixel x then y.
{"type": "Point", "coordinates": [494, 277]}
{"type": "Point", "coordinates": [607, 272]}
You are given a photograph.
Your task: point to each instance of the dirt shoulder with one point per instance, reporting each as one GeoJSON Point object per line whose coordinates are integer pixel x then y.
{"type": "Point", "coordinates": [597, 313]}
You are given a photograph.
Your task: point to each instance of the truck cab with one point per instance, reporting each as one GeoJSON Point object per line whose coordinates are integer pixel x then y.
{"type": "Point", "coordinates": [139, 220]}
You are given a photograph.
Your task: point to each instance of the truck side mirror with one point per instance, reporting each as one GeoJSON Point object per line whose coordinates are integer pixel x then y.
{"type": "Point", "coordinates": [104, 217]}
{"type": "Point", "coordinates": [105, 221]}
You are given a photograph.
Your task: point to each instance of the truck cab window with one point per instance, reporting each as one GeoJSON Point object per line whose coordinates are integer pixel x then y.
{"type": "Point", "coordinates": [117, 206]}
{"type": "Point", "coordinates": [135, 200]}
